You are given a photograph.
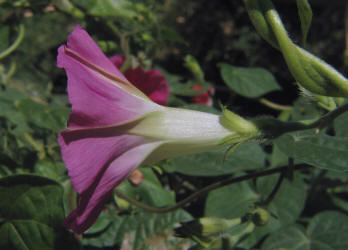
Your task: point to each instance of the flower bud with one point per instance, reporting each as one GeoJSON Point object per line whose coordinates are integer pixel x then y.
{"type": "Point", "coordinates": [205, 227]}
{"type": "Point", "coordinates": [245, 129]}
{"type": "Point", "coordinates": [260, 217]}
{"type": "Point", "coordinates": [192, 65]}
{"type": "Point", "coordinates": [135, 178]}
{"type": "Point", "coordinates": [122, 204]}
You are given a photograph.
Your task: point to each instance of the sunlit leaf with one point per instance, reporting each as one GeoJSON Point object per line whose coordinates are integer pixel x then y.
{"type": "Point", "coordinates": [248, 82]}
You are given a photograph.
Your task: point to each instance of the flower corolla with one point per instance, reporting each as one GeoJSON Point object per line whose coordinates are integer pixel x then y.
{"type": "Point", "coordinates": [114, 127]}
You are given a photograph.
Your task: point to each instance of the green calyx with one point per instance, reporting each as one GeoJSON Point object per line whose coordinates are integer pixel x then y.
{"type": "Point", "coordinates": [242, 129]}
{"type": "Point", "coordinates": [236, 123]}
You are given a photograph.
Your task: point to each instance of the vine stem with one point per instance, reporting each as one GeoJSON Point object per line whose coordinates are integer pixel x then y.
{"type": "Point", "coordinates": [15, 44]}
{"type": "Point", "coordinates": [208, 188]}
{"type": "Point", "coordinates": [275, 189]}
{"type": "Point", "coordinates": [273, 105]}
{"type": "Point", "coordinates": [319, 123]}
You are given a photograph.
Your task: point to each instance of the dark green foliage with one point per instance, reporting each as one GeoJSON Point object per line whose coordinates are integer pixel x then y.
{"type": "Point", "coordinates": [301, 209]}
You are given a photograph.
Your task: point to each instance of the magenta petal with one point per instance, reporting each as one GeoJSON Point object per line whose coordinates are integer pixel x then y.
{"type": "Point", "coordinates": [96, 100]}
{"type": "Point", "coordinates": [82, 44]}
{"type": "Point", "coordinates": [92, 201]}
{"type": "Point", "coordinates": [87, 153]}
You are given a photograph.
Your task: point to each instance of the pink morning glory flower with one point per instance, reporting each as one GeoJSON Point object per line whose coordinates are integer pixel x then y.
{"type": "Point", "coordinates": [150, 82]}
{"type": "Point", "coordinates": [114, 127]}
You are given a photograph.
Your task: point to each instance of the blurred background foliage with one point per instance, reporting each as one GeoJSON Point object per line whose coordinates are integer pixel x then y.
{"type": "Point", "coordinates": [210, 43]}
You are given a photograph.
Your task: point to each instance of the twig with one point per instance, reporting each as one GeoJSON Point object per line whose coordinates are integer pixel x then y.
{"type": "Point", "coordinates": [207, 189]}
{"type": "Point", "coordinates": [275, 189]}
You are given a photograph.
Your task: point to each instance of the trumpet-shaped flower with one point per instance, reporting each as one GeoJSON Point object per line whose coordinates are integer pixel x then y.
{"type": "Point", "coordinates": [113, 128]}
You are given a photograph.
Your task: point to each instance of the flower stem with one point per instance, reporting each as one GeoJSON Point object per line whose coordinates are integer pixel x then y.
{"type": "Point", "coordinates": [208, 188]}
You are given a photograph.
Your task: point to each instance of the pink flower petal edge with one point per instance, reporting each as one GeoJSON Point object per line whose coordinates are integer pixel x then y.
{"type": "Point", "coordinates": [97, 151]}
{"type": "Point", "coordinates": [122, 155]}
{"type": "Point", "coordinates": [95, 100]}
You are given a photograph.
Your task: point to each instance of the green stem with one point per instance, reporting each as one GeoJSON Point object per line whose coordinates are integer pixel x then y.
{"type": "Point", "coordinates": [35, 145]}
{"type": "Point", "coordinates": [207, 189]}
{"type": "Point", "coordinates": [273, 105]}
{"type": "Point", "coordinates": [327, 119]}
{"type": "Point", "coordinates": [272, 128]}
{"type": "Point", "coordinates": [309, 71]}
{"type": "Point", "coordinates": [275, 189]}
{"type": "Point", "coordinates": [15, 44]}
{"type": "Point", "coordinates": [114, 28]}
{"type": "Point", "coordinates": [10, 72]}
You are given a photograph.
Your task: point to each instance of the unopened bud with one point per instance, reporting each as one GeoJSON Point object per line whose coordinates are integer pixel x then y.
{"type": "Point", "coordinates": [192, 65]}
{"type": "Point", "coordinates": [260, 217]}
{"type": "Point", "coordinates": [121, 203]}
{"type": "Point", "coordinates": [135, 178]}
{"type": "Point", "coordinates": [205, 227]}
{"type": "Point", "coordinates": [246, 130]}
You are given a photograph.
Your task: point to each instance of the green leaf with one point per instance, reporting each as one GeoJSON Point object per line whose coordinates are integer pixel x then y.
{"type": "Point", "coordinates": [26, 235]}
{"type": "Point", "coordinates": [278, 158]}
{"type": "Point", "coordinates": [305, 110]}
{"type": "Point", "coordinates": [322, 151]}
{"type": "Point", "coordinates": [236, 200]}
{"type": "Point", "coordinates": [150, 191]}
{"type": "Point", "coordinates": [177, 87]}
{"type": "Point", "coordinates": [4, 37]}
{"type": "Point", "coordinates": [231, 201]}
{"type": "Point", "coordinates": [50, 169]}
{"type": "Point", "coordinates": [287, 205]}
{"type": "Point", "coordinates": [43, 116]}
{"type": "Point", "coordinates": [247, 156]}
{"type": "Point", "coordinates": [108, 8]}
{"type": "Point", "coordinates": [7, 101]}
{"type": "Point", "coordinates": [184, 89]}
{"type": "Point", "coordinates": [202, 108]}
{"type": "Point", "coordinates": [339, 202]}
{"type": "Point", "coordinates": [329, 228]}
{"type": "Point", "coordinates": [326, 231]}
{"type": "Point", "coordinates": [340, 125]}
{"type": "Point", "coordinates": [171, 34]}
{"type": "Point", "coordinates": [305, 14]}
{"type": "Point", "coordinates": [291, 238]}
{"type": "Point", "coordinates": [248, 82]}
{"type": "Point", "coordinates": [100, 224]}
{"type": "Point", "coordinates": [138, 230]}
{"type": "Point", "coordinates": [31, 212]}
